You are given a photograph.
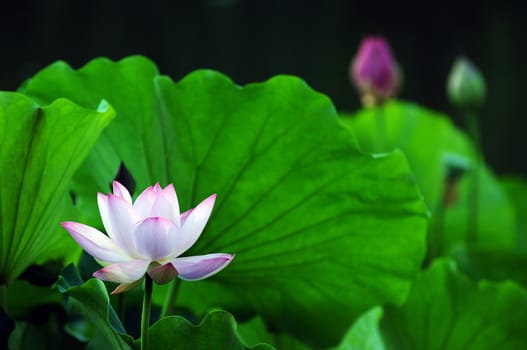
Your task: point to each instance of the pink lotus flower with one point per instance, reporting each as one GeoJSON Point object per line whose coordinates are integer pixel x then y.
{"type": "Point", "coordinates": [374, 71]}
{"type": "Point", "coordinates": [147, 236]}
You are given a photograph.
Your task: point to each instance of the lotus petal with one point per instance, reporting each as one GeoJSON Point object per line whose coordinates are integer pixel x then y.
{"type": "Point", "coordinates": [193, 268]}
{"type": "Point", "coordinates": [96, 243]}
{"type": "Point", "coordinates": [124, 272]}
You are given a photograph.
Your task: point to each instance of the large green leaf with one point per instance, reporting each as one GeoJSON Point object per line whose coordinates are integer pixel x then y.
{"type": "Point", "coordinates": [41, 147]}
{"type": "Point", "coordinates": [492, 264]}
{"type": "Point", "coordinates": [321, 231]}
{"type": "Point", "coordinates": [94, 175]}
{"type": "Point", "coordinates": [432, 143]}
{"type": "Point", "coordinates": [43, 336]}
{"type": "Point", "coordinates": [217, 331]}
{"type": "Point", "coordinates": [504, 263]}
{"type": "Point", "coordinates": [137, 106]}
{"type": "Point", "coordinates": [365, 333]}
{"type": "Point", "coordinates": [90, 299]}
{"type": "Point", "coordinates": [23, 298]}
{"type": "Point", "coordinates": [516, 188]}
{"type": "Point", "coordinates": [446, 310]}
{"type": "Point", "coordinates": [137, 136]}
{"type": "Point", "coordinates": [64, 248]}
{"type": "Point", "coordinates": [255, 331]}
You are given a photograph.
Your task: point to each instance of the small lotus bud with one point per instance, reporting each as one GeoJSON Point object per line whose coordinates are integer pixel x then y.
{"type": "Point", "coordinates": [374, 71]}
{"type": "Point", "coordinates": [456, 166]}
{"type": "Point", "coordinates": [466, 86]}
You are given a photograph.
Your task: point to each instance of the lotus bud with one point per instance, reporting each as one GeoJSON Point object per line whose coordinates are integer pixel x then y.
{"type": "Point", "coordinates": [456, 166]}
{"type": "Point", "coordinates": [466, 86]}
{"type": "Point", "coordinates": [374, 71]}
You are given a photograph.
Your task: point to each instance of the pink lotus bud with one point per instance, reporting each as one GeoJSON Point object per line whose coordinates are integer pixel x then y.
{"type": "Point", "coordinates": [374, 71]}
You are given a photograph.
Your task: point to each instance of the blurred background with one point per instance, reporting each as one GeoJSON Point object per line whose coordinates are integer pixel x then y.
{"type": "Point", "coordinates": [252, 40]}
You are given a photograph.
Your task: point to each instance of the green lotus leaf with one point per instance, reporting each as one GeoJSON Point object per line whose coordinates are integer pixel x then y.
{"type": "Point", "coordinates": [218, 330]}
{"type": "Point", "coordinates": [516, 189]}
{"type": "Point", "coordinates": [321, 231]}
{"type": "Point", "coordinates": [42, 147]}
{"type": "Point", "coordinates": [500, 264]}
{"type": "Point", "coordinates": [255, 331]}
{"type": "Point", "coordinates": [439, 152]}
{"type": "Point", "coordinates": [90, 300]}
{"type": "Point", "coordinates": [365, 333]}
{"type": "Point", "coordinates": [446, 310]}
{"type": "Point", "coordinates": [492, 264]}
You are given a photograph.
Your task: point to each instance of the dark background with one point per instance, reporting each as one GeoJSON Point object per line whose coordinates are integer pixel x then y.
{"type": "Point", "coordinates": [252, 40]}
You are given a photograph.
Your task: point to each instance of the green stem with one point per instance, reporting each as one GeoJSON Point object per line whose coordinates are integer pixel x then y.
{"type": "Point", "coordinates": [435, 234]}
{"type": "Point", "coordinates": [121, 306]}
{"type": "Point", "coordinates": [380, 129]}
{"type": "Point", "coordinates": [472, 123]}
{"type": "Point", "coordinates": [145, 317]}
{"type": "Point", "coordinates": [453, 173]}
{"type": "Point", "coordinates": [168, 306]}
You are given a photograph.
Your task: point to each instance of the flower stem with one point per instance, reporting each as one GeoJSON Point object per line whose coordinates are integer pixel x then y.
{"type": "Point", "coordinates": [121, 306]}
{"type": "Point", "coordinates": [168, 306]}
{"type": "Point", "coordinates": [145, 317]}
{"type": "Point", "coordinates": [3, 297]}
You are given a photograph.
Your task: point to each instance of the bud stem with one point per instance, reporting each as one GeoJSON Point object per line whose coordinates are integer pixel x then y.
{"type": "Point", "coordinates": [145, 316]}
{"type": "Point", "coordinates": [435, 233]}
{"type": "Point", "coordinates": [170, 299]}
{"type": "Point", "coordinates": [472, 123]}
{"type": "Point", "coordinates": [379, 135]}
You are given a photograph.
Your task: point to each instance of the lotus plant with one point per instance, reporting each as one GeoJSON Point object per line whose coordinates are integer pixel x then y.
{"type": "Point", "coordinates": [145, 239]}
{"type": "Point", "coordinates": [377, 77]}
{"type": "Point", "coordinates": [467, 91]}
